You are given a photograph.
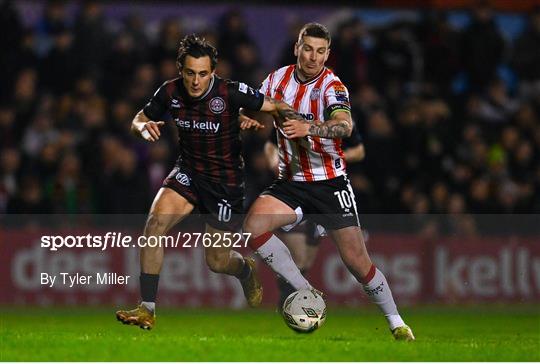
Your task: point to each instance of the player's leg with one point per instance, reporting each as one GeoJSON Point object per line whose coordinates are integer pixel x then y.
{"type": "Point", "coordinates": [265, 215]}
{"type": "Point", "coordinates": [168, 208]}
{"type": "Point", "coordinates": [310, 255]}
{"type": "Point", "coordinates": [173, 202]}
{"type": "Point", "coordinates": [296, 241]}
{"type": "Point", "coordinates": [304, 245]}
{"type": "Point", "coordinates": [223, 259]}
{"type": "Point", "coordinates": [338, 215]}
{"type": "Point", "coordinates": [316, 235]}
{"type": "Point", "coordinates": [351, 246]}
{"type": "Point", "coordinates": [223, 209]}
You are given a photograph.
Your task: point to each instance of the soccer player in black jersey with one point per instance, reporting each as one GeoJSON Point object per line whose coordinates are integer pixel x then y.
{"type": "Point", "coordinates": [209, 170]}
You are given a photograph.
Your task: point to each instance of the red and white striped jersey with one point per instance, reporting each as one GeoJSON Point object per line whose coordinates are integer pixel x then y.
{"type": "Point", "coordinates": [309, 158]}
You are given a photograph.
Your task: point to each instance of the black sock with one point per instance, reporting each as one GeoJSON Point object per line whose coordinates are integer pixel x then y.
{"type": "Point", "coordinates": [149, 286]}
{"type": "Point", "coordinates": [244, 273]}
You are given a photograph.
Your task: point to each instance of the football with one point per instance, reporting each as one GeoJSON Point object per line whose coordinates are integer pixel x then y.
{"type": "Point", "coordinates": [304, 311]}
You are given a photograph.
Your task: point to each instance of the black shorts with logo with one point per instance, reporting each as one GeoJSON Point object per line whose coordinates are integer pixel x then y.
{"type": "Point", "coordinates": [329, 203]}
{"type": "Point", "coordinates": [222, 206]}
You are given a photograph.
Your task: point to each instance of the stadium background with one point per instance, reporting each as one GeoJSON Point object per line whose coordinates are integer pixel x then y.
{"type": "Point", "coordinates": [446, 97]}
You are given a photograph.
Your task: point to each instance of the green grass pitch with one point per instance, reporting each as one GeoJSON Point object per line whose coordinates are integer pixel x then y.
{"type": "Point", "coordinates": [443, 334]}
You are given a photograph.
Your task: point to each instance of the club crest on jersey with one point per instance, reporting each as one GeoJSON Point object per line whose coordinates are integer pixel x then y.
{"type": "Point", "coordinates": [183, 179]}
{"type": "Point", "coordinates": [216, 105]}
{"type": "Point", "coordinates": [315, 94]}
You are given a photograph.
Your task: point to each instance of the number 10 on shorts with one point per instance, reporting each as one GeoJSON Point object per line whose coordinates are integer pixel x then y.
{"type": "Point", "coordinates": [344, 198]}
{"type": "Point", "coordinates": [225, 211]}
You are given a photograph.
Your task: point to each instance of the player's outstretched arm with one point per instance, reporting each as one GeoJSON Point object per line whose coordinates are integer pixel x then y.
{"type": "Point", "coordinates": [250, 120]}
{"type": "Point", "coordinates": [270, 110]}
{"type": "Point", "coordinates": [145, 128]}
{"type": "Point", "coordinates": [280, 109]}
{"type": "Point", "coordinates": [296, 126]}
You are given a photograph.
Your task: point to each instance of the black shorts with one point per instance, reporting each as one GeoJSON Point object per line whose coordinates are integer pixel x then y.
{"type": "Point", "coordinates": [222, 206]}
{"type": "Point", "coordinates": [329, 203]}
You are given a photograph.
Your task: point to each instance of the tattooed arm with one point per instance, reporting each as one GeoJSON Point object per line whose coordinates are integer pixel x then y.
{"type": "Point", "coordinates": [296, 126]}
{"type": "Point", "coordinates": [340, 126]}
{"type": "Point", "coordinates": [270, 110]}
{"type": "Point", "coordinates": [280, 109]}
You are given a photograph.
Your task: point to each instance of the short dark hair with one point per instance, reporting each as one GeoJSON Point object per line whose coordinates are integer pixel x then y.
{"type": "Point", "coordinates": [315, 30]}
{"type": "Point", "coordinates": [196, 47]}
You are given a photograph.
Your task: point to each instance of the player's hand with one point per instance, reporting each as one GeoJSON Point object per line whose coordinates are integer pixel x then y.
{"type": "Point", "coordinates": [150, 130]}
{"type": "Point", "coordinates": [293, 128]}
{"type": "Point", "coordinates": [249, 123]}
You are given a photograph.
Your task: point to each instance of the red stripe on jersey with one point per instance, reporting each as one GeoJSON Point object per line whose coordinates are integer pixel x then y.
{"type": "Point", "coordinates": [270, 80]}
{"type": "Point", "coordinates": [283, 145]}
{"type": "Point", "coordinates": [317, 146]}
{"type": "Point", "coordinates": [278, 95]}
{"type": "Point", "coordinates": [280, 90]}
{"type": "Point", "coordinates": [299, 95]}
{"type": "Point", "coordinates": [337, 145]}
{"type": "Point", "coordinates": [337, 141]}
{"type": "Point", "coordinates": [226, 147]}
{"type": "Point", "coordinates": [304, 158]}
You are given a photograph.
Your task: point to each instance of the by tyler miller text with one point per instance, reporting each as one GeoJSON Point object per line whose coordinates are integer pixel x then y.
{"type": "Point", "coordinates": [77, 279]}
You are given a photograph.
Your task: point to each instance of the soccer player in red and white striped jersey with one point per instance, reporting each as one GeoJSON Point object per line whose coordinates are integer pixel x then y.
{"type": "Point", "coordinates": [312, 177]}
{"type": "Point", "coordinates": [312, 158]}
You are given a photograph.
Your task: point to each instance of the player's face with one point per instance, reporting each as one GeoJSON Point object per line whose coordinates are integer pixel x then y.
{"type": "Point", "coordinates": [196, 75]}
{"type": "Point", "coordinates": [311, 54]}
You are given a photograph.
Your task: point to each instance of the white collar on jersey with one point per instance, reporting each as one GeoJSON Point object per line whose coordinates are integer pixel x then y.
{"type": "Point", "coordinates": [306, 82]}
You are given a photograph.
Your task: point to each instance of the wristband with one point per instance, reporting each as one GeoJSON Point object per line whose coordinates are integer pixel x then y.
{"type": "Point", "coordinates": [145, 134]}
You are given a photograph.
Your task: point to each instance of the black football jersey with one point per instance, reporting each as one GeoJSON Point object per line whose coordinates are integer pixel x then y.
{"type": "Point", "coordinates": [208, 126]}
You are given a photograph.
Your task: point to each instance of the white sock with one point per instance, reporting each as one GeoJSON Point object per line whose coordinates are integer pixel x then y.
{"type": "Point", "coordinates": [276, 255]}
{"type": "Point", "coordinates": [379, 293]}
{"type": "Point", "coordinates": [150, 306]}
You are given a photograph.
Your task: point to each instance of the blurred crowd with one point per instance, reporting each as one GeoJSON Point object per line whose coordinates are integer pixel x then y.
{"type": "Point", "coordinates": [449, 117]}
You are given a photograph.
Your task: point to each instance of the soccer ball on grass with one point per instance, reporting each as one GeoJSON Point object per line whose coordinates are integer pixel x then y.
{"type": "Point", "coordinates": [304, 311]}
